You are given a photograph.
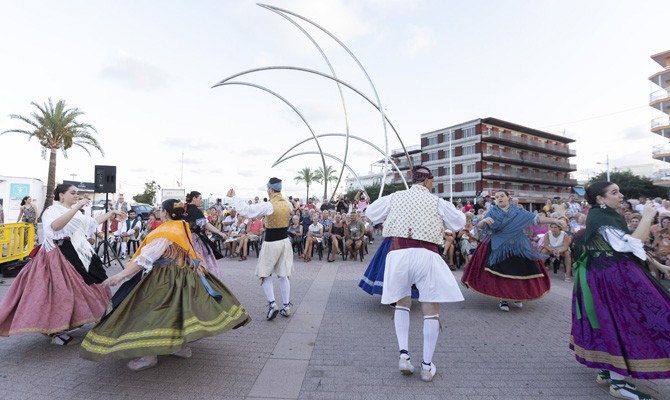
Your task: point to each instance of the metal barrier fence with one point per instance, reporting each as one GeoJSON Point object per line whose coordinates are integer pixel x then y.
{"type": "Point", "coordinates": [16, 241]}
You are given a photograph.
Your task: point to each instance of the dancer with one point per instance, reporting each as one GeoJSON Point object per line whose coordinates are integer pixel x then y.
{"type": "Point", "coordinates": [620, 312]}
{"type": "Point", "coordinates": [176, 300]}
{"type": "Point", "coordinates": [58, 290]}
{"type": "Point", "coordinates": [414, 219]}
{"type": "Point", "coordinates": [276, 255]}
{"type": "Point", "coordinates": [504, 265]}
{"type": "Point", "coordinates": [198, 224]}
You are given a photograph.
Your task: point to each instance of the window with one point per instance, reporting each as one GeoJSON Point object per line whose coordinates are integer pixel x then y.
{"type": "Point", "coordinates": [446, 136]}
{"type": "Point", "coordinates": [432, 156]}
{"type": "Point", "coordinates": [468, 186]}
{"type": "Point", "coordinates": [469, 150]}
{"type": "Point", "coordinates": [469, 132]}
{"type": "Point", "coordinates": [432, 140]}
{"type": "Point", "coordinates": [469, 168]}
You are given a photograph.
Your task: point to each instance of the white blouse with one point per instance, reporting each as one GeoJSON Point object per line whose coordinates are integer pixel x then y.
{"type": "Point", "coordinates": [623, 242]}
{"type": "Point", "coordinates": [151, 252]}
{"type": "Point", "coordinates": [76, 229]}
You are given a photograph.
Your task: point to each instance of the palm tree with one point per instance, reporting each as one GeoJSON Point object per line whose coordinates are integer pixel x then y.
{"type": "Point", "coordinates": [57, 128]}
{"type": "Point", "coordinates": [305, 175]}
{"type": "Point", "coordinates": [324, 177]}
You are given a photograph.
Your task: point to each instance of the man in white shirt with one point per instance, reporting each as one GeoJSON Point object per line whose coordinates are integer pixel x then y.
{"type": "Point", "coordinates": [121, 204]}
{"type": "Point", "coordinates": [416, 220]}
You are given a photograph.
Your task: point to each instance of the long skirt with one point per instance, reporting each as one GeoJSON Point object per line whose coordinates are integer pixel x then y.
{"type": "Point", "coordinates": [169, 307]}
{"type": "Point", "coordinates": [632, 315]}
{"type": "Point", "coordinates": [207, 254]}
{"type": "Point", "coordinates": [531, 283]}
{"type": "Point", "coordinates": [49, 296]}
{"type": "Point", "coordinates": [373, 278]}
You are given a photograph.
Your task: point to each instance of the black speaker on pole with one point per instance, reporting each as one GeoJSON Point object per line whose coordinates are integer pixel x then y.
{"type": "Point", "coordinates": [105, 179]}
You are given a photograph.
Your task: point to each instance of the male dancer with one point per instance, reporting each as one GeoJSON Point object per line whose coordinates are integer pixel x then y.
{"type": "Point", "coordinates": [416, 219]}
{"type": "Point", "coordinates": [276, 253]}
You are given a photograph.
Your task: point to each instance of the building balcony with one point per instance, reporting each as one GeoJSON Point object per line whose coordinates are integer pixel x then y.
{"type": "Point", "coordinates": [661, 126]}
{"type": "Point", "coordinates": [661, 177]}
{"type": "Point", "coordinates": [660, 100]}
{"type": "Point", "coordinates": [527, 144]}
{"type": "Point", "coordinates": [536, 177]}
{"type": "Point", "coordinates": [539, 161]}
{"type": "Point", "coordinates": [661, 152]}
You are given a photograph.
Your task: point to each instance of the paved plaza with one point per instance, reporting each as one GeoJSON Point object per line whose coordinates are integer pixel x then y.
{"type": "Point", "coordinates": [339, 344]}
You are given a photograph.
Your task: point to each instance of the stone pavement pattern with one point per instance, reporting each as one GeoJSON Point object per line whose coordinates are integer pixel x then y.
{"type": "Point", "coordinates": [339, 344]}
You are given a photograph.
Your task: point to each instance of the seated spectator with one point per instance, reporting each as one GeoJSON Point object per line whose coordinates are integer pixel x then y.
{"type": "Point", "coordinates": [556, 244]}
{"type": "Point", "coordinates": [326, 222]}
{"type": "Point", "coordinates": [634, 222]}
{"type": "Point", "coordinates": [314, 236]}
{"type": "Point", "coordinates": [539, 230]}
{"type": "Point", "coordinates": [355, 232]}
{"type": "Point", "coordinates": [661, 250]}
{"type": "Point", "coordinates": [336, 235]}
{"type": "Point", "coordinates": [468, 238]}
{"type": "Point", "coordinates": [253, 234]}
{"type": "Point", "coordinates": [214, 217]}
{"type": "Point", "coordinates": [369, 232]}
{"type": "Point", "coordinates": [448, 252]}
{"type": "Point", "coordinates": [237, 229]}
{"type": "Point", "coordinates": [295, 230]}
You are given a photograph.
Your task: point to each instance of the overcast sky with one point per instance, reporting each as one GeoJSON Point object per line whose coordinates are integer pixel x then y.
{"type": "Point", "coordinates": [143, 71]}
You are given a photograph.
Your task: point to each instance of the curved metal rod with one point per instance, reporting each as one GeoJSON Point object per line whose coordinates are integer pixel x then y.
{"type": "Point", "coordinates": [311, 71]}
{"type": "Point", "coordinates": [327, 155]}
{"type": "Point", "coordinates": [288, 103]}
{"type": "Point", "coordinates": [379, 102]}
{"type": "Point", "coordinates": [352, 137]}
{"type": "Point", "coordinates": [339, 88]}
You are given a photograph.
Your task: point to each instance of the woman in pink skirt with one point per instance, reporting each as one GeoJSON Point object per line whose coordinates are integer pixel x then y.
{"type": "Point", "coordinates": [59, 290]}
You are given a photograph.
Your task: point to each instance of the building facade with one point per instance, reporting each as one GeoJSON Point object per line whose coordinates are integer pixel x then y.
{"type": "Point", "coordinates": [660, 100]}
{"type": "Point", "coordinates": [488, 154]}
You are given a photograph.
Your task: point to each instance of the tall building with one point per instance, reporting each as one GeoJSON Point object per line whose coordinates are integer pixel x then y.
{"type": "Point", "coordinates": [488, 154]}
{"type": "Point", "coordinates": [660, 100]}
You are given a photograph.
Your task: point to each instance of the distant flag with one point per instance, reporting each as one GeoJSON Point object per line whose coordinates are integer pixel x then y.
{"type": "Point", "coordinates": [178, 184]}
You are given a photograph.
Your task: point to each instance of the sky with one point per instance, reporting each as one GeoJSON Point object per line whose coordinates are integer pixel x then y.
{"type": "Point", "coordinates": [142, 73]}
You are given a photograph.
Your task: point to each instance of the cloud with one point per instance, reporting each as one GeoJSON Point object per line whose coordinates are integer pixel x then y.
{"type": "Point", "coordinates": [138, 170]}
{"type": "Point", "coordinates": [191, 144]}
{"type": "Point", "coordinates": [245, 173]}
{"type": "Point", "coordinates": [135, 74]}
{"type": "Point", "coordinates": [420, 40]}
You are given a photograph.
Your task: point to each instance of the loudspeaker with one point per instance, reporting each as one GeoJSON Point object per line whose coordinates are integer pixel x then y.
{"type": "Point", "coordinates": [105, 179]}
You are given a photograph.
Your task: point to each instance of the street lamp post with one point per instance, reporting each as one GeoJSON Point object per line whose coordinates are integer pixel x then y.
{"type": "Point", "coordinates": [607, 166]}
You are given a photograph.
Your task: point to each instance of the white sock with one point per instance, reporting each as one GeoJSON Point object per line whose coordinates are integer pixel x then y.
{"type": "Point", "coordinates": [431, 330]}
{"type": "Point", "coordinates": [616, 377]}
{"type": "Point", "coordinates": [268, 289]}
{"type": "Point", "coordinates": [285, 288]}
{"type": "Point", "coordinates": [401, 321]}
{"type": "Point", "coordinates": [123, 247]}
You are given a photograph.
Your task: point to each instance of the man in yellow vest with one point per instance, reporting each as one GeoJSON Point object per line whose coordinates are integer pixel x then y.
{"type": "Point", "coordinates": [276, 256]}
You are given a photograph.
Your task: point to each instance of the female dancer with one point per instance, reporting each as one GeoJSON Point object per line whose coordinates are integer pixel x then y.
{"type": "Point", "coordinates": [58, 290]}
{"type": "Point", "coordinates": [175, 301]}
{"type": "Point", "coordinates": [198, 224]}
{"type": "Point", "coordinates": [620, 313]}
{"type": "Point", "coordinates": [504, 266]}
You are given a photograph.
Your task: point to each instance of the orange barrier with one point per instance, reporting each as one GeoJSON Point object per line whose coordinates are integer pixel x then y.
{"type": "Point", "coordinates": [13, 242]}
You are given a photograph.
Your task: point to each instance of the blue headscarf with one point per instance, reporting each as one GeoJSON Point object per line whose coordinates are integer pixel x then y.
{"type": "Point", "coordinates": [507, 236]}
{"type": "Point", "coordinates": [275, 184]}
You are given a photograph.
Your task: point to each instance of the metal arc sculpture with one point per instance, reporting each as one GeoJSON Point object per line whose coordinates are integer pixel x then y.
{"type": "Point", "coordinates": [288, 15]}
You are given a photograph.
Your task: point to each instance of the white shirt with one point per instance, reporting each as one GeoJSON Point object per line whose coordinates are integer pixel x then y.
{"type": "Point", "coordinates": [623, 242]}
{"type": "Point", "coordinates": [451, 217]}
{"type": "Point", "coordinates": [255, 210]}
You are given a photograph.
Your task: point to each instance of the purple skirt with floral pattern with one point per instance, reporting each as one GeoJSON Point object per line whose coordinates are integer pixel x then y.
{"type": "Point", "coordinates": [632, 333]}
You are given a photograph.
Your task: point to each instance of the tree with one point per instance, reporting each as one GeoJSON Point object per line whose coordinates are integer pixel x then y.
{"type": "Point", "coordinates": [57, 128]}
{"type": "Point", "coordinates": [373, 191]}
{"type": "Point", "coordinates": [631, 185]}
{"type": "Point", "coordinates": [150, 190]}
{"type": "Point", "coordinates": [324, 177]}
{"type": "Point", "coordinates": [305, 175]}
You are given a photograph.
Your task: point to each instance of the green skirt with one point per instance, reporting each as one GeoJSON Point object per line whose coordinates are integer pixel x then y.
{"type": "Point", "coordinates": [168, 308]}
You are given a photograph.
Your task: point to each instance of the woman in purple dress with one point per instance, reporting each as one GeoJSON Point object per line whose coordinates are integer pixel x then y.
{"type": "Point", "coordinates": [620, 313]}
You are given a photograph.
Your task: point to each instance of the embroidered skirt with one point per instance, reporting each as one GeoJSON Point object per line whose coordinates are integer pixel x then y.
{"type": "Point", "coordinates": [168, 307]}
{"type": "Point", "coordinates": [49, 296]}
{"type": "Point", "coordinates": [529, 282]}
{"type": "Point", "coordinates": [632, 315]}
{"type": "Point", "coordinates": [207, 254]}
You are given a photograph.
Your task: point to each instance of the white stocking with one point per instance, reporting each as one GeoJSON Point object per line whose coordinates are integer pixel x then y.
{"type": "Point", "coordinates": [268, 288]}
